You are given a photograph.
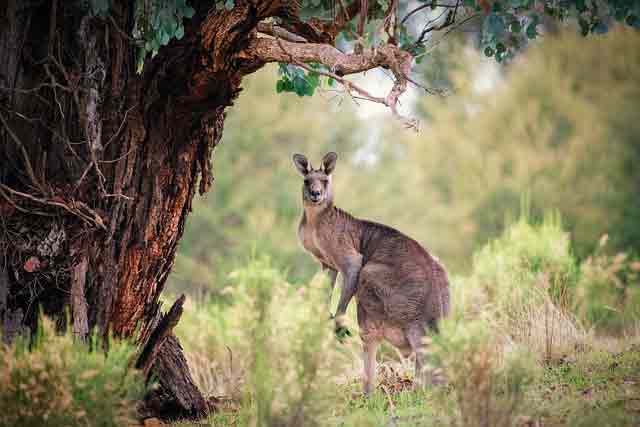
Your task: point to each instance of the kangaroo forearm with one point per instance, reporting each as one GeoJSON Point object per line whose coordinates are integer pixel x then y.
{"type": "Point", "coordinates": [333, 275]}
{"type": "Point", "coordinates": [348, 291]}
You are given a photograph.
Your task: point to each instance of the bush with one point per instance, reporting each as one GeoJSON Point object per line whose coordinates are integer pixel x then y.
{"type": "Point", "coordinates": [524, 284]}
{"type": "Point", "coordinates": [489, 385]}
{"type": "Point", "coordinates": [609, 291]}
{"type": "Point", "coordinates": [59, 382]}
{"type": "Point", "coordinates": [525, 258]}
{"type": "Point", "coordinates": [272, 348]}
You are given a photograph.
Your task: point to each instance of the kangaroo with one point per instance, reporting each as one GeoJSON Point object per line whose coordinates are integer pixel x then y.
{"type": "Point", "coordinates": [400, 289]}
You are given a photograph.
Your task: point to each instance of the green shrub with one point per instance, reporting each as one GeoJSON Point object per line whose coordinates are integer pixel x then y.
{"type": "Point", "coordinates": [272, 348]}
{"type": "Point", "coordinates": [488, 383]}
{"type": "Point", "coordinates": [524, 259]}
{"type": "Point", "coordinates": [59, 382]}
{"type": "Point", "coordinates": [608, 291]}
{"type": "Point", "coordinates": [524, 284]}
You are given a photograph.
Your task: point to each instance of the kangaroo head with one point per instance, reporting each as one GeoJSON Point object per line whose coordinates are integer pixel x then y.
{"type": "Point", "coordinates": [317, 182]}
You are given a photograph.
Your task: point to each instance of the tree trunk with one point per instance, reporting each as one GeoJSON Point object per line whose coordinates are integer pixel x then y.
{"type": "Point", "coordinates": [99, 166]}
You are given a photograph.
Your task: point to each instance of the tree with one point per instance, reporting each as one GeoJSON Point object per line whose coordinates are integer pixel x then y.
{"type": "Point", "coordinates": [104, 146]}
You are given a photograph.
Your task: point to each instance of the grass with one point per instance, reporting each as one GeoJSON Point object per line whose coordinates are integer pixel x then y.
{"type": "Point", "coordinates": [55, 381]}
{"type": "Point", "coordinates": [595, 388]}
{"type": "Point", "coordinates": [518, 349]}
{"type": "Point", "coordinates": [521, 348]}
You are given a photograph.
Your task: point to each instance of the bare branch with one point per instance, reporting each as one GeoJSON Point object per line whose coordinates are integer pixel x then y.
{"type": "Point", "coordinates": [339, 64]}
{"type": "Point", "coordinates": [362, 22]}
{"type": "Point", "coordinates": [272, 50]}
{"type": "Point", "coordinates": [27, 162]}
{"type": "Point", "coordinates": [428, 27]}
{"type": "Point", "coordinates": [276, 31]}
{"type": "Point", "coordinates": [432, 5]}
{"type": "Point", "coordinates": [74, 207]}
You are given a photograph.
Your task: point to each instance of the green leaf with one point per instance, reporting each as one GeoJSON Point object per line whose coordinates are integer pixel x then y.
{"type": "Point", "coordinates": [519, 3]}
{"type": "Point", "coordinates": [171, 26]}
{"type": "Point", "coordinates": [279, 86]}
{"type": "Point", "coordinates": [488, 51]}
{"type": "Point", "coordinates": [384, 4]}
{"type": "Point", "coordinates": [100, 7]}
{"type": "Point", "coordinates": [493, 26]}
{"type": "Point", "coordinates": [515, 27]}
{"type": "Point", "coordinates": [288, 86]}
{"type": "Point", "coordinates": [140, 57]}
{"type": "Point", "coordinates": [300, 86]}
{"type": "Point", "coordinates": [584, 26]}
{"type": "Point", "coordinates": [155, 22]}
{"type": "Point", "coordinates": [188, 12]}
{"type": "Point", "coordinates": [164, 38]}
{"type": "Point", "coordinates": [180, 32]}
{"type": "Point", "coordinates": [313, 79]}
{"type": "Point", "coordinates": [531, 31]}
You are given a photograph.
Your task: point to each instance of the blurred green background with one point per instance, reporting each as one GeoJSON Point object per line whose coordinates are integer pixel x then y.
{"type": "Point", "coordinates": [524, 182]}
{"type": "Point", "coordinates": [559, 128]}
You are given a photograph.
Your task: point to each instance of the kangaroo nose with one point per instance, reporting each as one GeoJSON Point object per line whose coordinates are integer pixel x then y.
{"type": "Point", "coordinates": [315, 193]}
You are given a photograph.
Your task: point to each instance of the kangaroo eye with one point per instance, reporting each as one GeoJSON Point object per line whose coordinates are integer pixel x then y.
{"type": "Point", "coordinates": [307, 181]}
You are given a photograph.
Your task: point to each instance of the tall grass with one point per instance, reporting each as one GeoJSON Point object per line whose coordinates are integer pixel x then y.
{"type": "Point", "coordinates": [488, 383]}
{"type": "Point", "coordinates": [520, 312]}
{"type": "Point", "coordinates": [609, 290]}
{"type": "Point", "coordinates": [523, 284]}
{"type": "Point", "coordinates": [57, 381]}
{"type": "Point", "coordinates": [272, 350]}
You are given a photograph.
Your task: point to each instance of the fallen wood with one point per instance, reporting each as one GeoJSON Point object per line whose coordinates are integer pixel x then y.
{"type": "Point", "coordinates": [176, 395]}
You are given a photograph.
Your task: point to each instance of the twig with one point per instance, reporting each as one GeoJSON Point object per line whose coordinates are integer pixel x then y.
{"type": "Point", "coordinates": [19, 208]}
{"type": "Point", "coordinates": [97, 219]}
{"type": "Point", "coordinates": [449, 31]}
{"type": "Point", "coordinates": [122, 33]}
{"type": "Point", "coordinates": [427, 28]}
{"type": "Point", "coordinates": [15, 138]}
{"type": "Point", "coordinates": [399, 67]}
{"type": "Point", "coordinates": [429, 90]}
{"type": "Point", "coordinates": [422, 7]}
{"type": "Point", "coordinates": [276, 31]}
{"type": "Point", "coordinates": [131, 150]}
{"type": "Point", "coordinates": [124, 119]}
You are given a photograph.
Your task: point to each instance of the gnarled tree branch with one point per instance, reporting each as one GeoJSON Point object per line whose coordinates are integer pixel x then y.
{"type": "Point", "coordinates": [265, 50]}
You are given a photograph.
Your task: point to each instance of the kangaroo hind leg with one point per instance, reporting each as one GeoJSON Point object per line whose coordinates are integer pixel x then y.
{"type": "Point", "coordinates": [415, 336]}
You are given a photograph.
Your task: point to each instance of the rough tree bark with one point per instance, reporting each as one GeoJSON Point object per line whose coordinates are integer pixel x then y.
{"type": "Point", "coordinates": [98, 168]}
{"type": "Point", "coordinates": [99, 164]}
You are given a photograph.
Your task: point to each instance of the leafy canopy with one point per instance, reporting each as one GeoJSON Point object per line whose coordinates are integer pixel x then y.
{"type": "Point", "coordinates": [504, 27]}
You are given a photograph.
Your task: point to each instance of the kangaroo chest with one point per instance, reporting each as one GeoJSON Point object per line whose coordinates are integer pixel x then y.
{"type": "Point", "coordinates": [309, 239]}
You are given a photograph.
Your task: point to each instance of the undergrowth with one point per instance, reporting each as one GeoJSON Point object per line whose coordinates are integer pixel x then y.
{"type": "Point", "coordinates": [525, 342]}
{"type": "Point", "coordinates": [54, 380]}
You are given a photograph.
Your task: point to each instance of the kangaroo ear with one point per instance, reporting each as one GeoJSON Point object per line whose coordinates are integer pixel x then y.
{"type": "Point", "coordinates": [301, 163]}
{"type": "Point", "coordinates": [329, 162]}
